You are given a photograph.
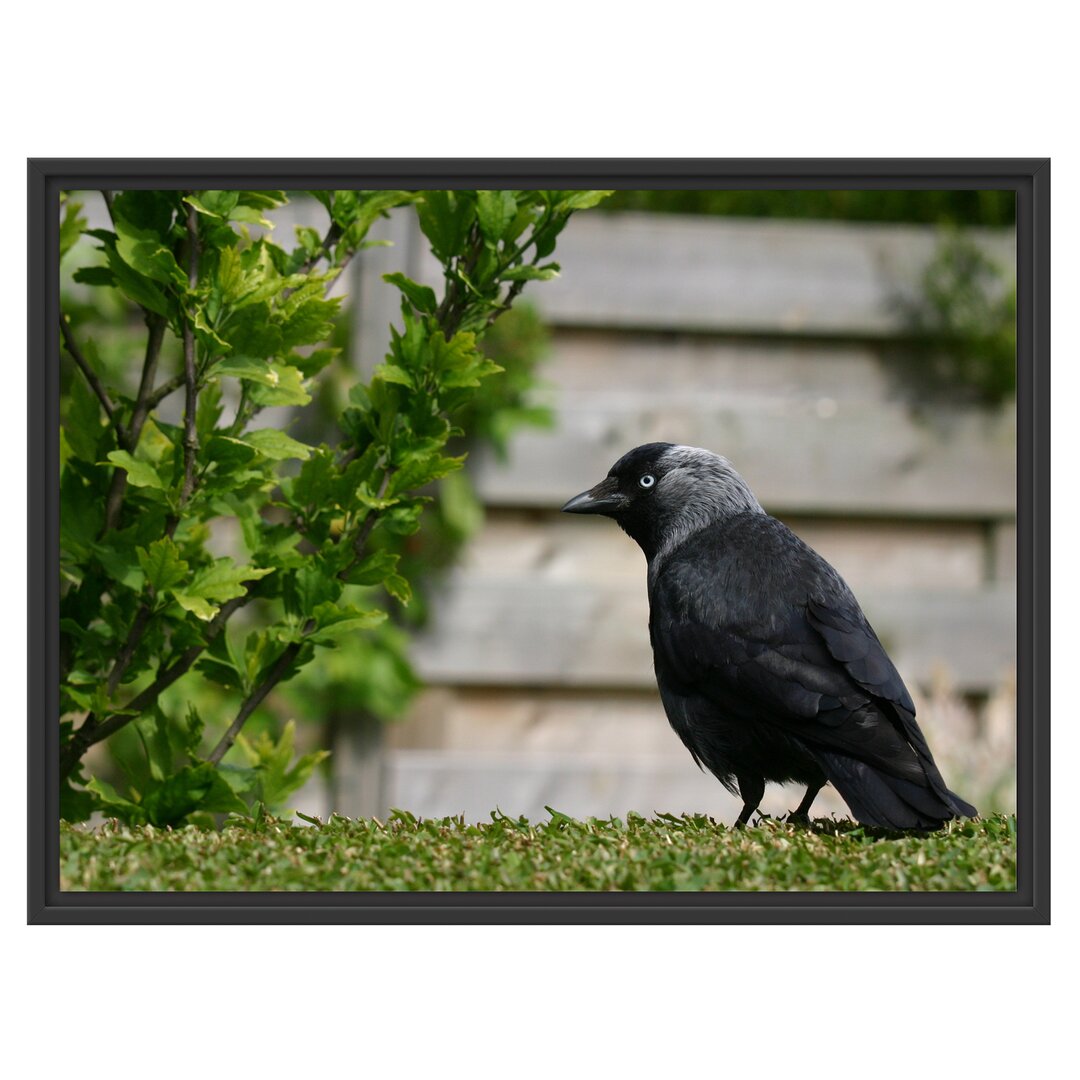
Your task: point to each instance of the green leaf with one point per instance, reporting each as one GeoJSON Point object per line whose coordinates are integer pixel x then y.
{"type": "Point", "coordinates": [230, 275]}
{"type": "Point", "coordinates": [208, 337]}
{"type": "Point", "coordinates": [445, 217]}
{"type": "Point", "coordinates": [313, 484]}
{"type": "Point", "coordinates": [162, 565]}
{"type": "Point", "coordinates": [271, 760]}
{"type": "Point", "coordinates": [181, 794]}
{"type": "Point", "coordinates": [140, 473]}
{"type": "Point", "coordinates": [121, 564]}
{"type": "Point", "coordinates": [227, 452]}
{"type": "Point", "coordinates": [285, 388]}
{"type": "Point", "coordinates": [374, 569]}
{"type": "Point", "coordinates": [251, 216]}
{"type": "Point", "coordinates": [71, 226]}
{"type": "Point", "coordinates": [246, 367]}
{"type": "Point", "coordinates": [94, 275]}
{"type": "Point", "coordinates": [136, 286]}
{"type": "Point", "coordinates": [314, 362]}
{"type": "Point", "coordinates": [224, 580]}
{"type": "Point", "coordinates": [469, 375]}
{"type": "Point", "coordinates": [154, 731]}
{"type": "Point", "coordinates": [311, 585]}
{"type": "Point", "coordinates": [251, 332]}
{"type": "Point", "coordinates": [334, 622]}
{"type": "Point", "coordinates": [423, 471]}
{"type": "Point", "coordinates": [276, 445]}
{"type": "Point", "coordinates": [310, 323]}
{"type": "Point", "coordinates": [215, 204]}
{"type": "Point", "coordinates": [208, 411]}
{"type": "Point", "coordinates": [113, 804]}
{"type": "Point", "coordinates": [309, 239]}
{"type": "Point", "coordinates": [391, 373]}
{"type": "Point", "coordinates": [75, 805]}
{"type": "Point", "coordinates": [398, 588]}
{"type": "Point", "coordinates": [495, 210]}
{"type": "Point", "coordinates": [532, 273]}
{"type": "Point", "coordinates": [581, 200]}
{"type": "Point", "coordinates": [203, 609]}
{"type": "Point", "coordinates": [83, 418]}
{"type": "Point", "coordinates": [144, 252]}
{"type": "Point", "coordinates": [420, 296]}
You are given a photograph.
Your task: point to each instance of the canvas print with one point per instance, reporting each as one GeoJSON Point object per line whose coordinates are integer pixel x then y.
{"type": "Point", "coordinates": [538, 540]}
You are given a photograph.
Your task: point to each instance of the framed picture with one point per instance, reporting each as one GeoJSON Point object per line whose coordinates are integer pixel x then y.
{"type": "Point", "coordinates": [312, 640]}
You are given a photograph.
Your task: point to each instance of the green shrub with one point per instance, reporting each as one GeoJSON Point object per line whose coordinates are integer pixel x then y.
{"type": "Point", "coordinates": [147, 597]}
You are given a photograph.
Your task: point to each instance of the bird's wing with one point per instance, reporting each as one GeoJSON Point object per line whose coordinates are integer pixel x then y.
{"type": "Point", "coordinates": [814, 668]}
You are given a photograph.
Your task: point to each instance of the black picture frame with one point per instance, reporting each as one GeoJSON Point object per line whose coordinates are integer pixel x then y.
{"type": "Point", "coordinates": [1029, 178]}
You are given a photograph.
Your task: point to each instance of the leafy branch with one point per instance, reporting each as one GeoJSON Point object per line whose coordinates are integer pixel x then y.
{"type": "Point", "coordinates": [140, 580]}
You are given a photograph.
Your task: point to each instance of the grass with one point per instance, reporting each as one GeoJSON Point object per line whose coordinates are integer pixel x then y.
{"type": "Point", "coordinates": [664, 853]}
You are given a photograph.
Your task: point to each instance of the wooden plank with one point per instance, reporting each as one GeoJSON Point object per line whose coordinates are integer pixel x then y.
{"type": "Point", "coordinates": [610, 368]}
{"type": "Point", "coordinates": [667, 272]}
{"type": "Point", "coordinates": [874, 555]}
{"type": "Point", "coordinates": [1003, 551]}
{"type": "Point", "coordinates": [523, 632]}
{"type": "Point", "coordinates": [445, 783]}
{"type": "Point", "coordinates": [621, 724]}
{"type": "Point", "coordinates": [845, 460]}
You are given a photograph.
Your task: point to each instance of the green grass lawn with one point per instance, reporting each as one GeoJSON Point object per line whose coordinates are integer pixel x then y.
{"type": "Point", "coordinates": [662, 853]}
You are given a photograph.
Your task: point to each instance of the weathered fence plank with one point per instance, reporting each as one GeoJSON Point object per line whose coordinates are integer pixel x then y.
{"type": "Point", "coordinates": [853, 461]}
{"type": "Point", "coordinates": [502, 633]}
{"type": "Point", "coordinates": [873, 555]}
{"type": "Point", "coordinates": [650, 272]}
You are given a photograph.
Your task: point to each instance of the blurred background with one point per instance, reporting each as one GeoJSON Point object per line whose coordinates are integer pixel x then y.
{"type": "Point", "coordinates": [852, 353]}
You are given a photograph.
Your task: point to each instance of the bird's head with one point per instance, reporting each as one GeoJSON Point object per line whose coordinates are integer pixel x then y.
{"type": "Point", "coordinates": [660, 494]}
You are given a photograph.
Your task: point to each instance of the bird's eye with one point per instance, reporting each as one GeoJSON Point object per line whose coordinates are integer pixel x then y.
{"type": "Point", "coordinates": [647, 480]}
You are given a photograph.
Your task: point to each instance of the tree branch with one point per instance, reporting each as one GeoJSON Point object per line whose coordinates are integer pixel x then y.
{"type": "Point", "coordinates": [94, 731]}
{"type": "Point", "coordinates": [255, 698]}
{"type": "Point", "coordinates": [138, 628]}
{"type": "Point", "coordinates": [95, 383]}
{"type": "Point", "coordinates": [163, 391]}
{"type": "Point", "coordinates": [333, 235]}
{"type": "Point", "coordinates": [114, 500]}
{"type": "Point", "coordinates": [191, 442]}
{"type": "Point", "coordinates": [361, 538]}
{"type": "Point", "coordinates": [146, 399]}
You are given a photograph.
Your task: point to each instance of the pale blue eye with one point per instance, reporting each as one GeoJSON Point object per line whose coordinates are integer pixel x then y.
{"type": "Point", "coordinates": [647, 480]}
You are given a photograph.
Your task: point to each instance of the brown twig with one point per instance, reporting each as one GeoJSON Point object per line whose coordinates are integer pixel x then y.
{"type": "Point", "coordinates": [94, 731]}
{"type": "Point", "coordinates": [255, 698]}
{"type": "Point", "coordinates": [361, 538]}
{"type": "Point", "coordinates": [512, 294]}
{"type": "Point", "coordinates": [95, 383]}
{"type": "Point", "coordinates": [333, 235]}
{"type": "Point", "coordinates": [163, 391]}
{"type": "Point", "coordinates": [138, 628]}
{"type": "Point", "coordinates": [144, 402]}
{"type": "Point", "coordinates": [191, 442]}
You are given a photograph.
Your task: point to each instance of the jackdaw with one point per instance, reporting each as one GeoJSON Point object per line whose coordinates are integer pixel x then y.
{"type": "Point", "coordinates": [767, 667]}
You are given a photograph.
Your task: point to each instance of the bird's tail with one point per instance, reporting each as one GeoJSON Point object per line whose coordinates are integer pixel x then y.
{"type": "Point", "coordinates": [889, 802]}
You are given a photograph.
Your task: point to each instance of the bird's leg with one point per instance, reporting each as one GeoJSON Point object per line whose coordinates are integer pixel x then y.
{"type": "Point", "coordinates": [752, 789]}
{"type": "Point", "coordinates": [802, 812]}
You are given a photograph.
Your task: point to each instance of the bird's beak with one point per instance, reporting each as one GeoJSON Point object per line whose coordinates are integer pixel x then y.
{"type": "Point", "coordinates": [605, 498]}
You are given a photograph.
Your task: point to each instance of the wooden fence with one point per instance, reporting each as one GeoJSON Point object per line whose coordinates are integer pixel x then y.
{"type": "Point", "coordinates": [772, 343]}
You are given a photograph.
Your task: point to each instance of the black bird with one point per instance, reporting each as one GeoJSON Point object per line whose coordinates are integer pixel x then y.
{"type": "Point", "coordinates": [767, 667]}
